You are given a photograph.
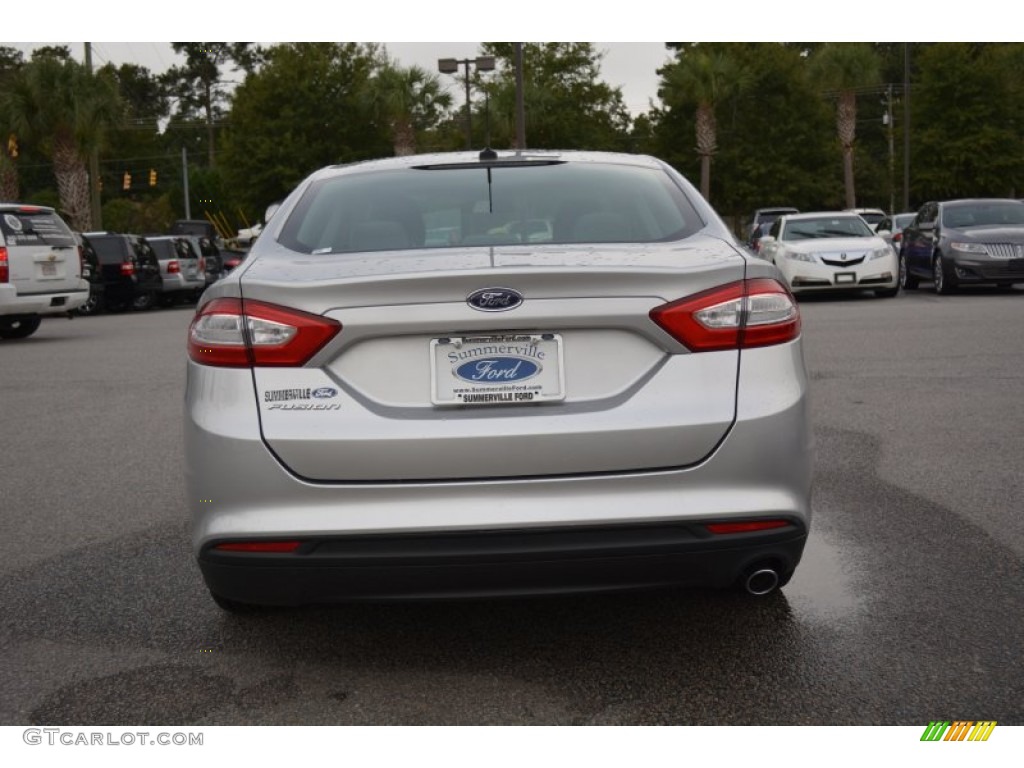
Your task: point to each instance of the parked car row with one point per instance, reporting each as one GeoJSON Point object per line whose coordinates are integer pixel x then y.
{"type": "Point", "coordinates": [126, 271]}
{"type": "Point", "coordinates": [952, 243]}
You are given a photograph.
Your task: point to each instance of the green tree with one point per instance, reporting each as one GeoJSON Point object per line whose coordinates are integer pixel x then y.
{"type": "Point", "coordinates": [302, 110]}
{"type": "Point", "coordinates": [567, 105]}
{"type": "Point", "coordinates": [11, 62]}
{"type": "Point", "coordinates": [136, 145]}
{"type": "Point", "coordinates": [968, 117]}
{"type": "Point", "coordinates": [54, 103]}
{"type": "Point", "coordinates": [844, 68]}
{"type": "Point", "coordinates": [708, 77]}
{"type": "Point", "coordinates": [773, 136]}
{"type": "Point", "coordinates": [408, 101]}
{"type": "Point", "coordinates": [199, 84]}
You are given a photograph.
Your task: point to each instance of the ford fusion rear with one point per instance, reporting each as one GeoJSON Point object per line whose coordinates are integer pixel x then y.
{"type": "Point", "coordinates": [462, 375]}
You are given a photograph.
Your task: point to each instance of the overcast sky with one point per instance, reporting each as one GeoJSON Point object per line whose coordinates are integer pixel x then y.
{"type": "Point", "coordinates": [630, 66]}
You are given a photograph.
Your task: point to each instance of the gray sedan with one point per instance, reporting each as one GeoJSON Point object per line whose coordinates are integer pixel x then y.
{"type": "Point", "coordinates": [964, 242]}
{"type": "Point", "coordinates": [400, 394]}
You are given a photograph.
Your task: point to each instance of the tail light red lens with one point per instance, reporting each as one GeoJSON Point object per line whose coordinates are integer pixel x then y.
{"type": "Point", "coordinates": [202, 264]}
{"type": "Point", "coordinates": [127, 268]}
{"type": "Point", "coordinates": [897, 237]}
{"type": "Point", "coordinates": [748, 313]}
{"type": "Point", "coordinates": [5, 267]}
{"type": "Point", "coordinates": [173, 267]}
{"type": "Point", "coordinates": [81, 260]}
{"type": "Point", "coordinates": [278, 547]}
{"type": "Point", "coordinates": [237, 334]}
{"type": "Point", "coordinates": [748, 526]}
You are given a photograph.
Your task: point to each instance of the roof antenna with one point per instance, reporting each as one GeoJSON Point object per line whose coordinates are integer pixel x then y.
{"type": "Point", "coordinates": [488, 154]}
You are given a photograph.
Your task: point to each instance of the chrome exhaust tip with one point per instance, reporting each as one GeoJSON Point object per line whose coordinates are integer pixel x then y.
{"type": "Point", "coordinates": [762, 581]}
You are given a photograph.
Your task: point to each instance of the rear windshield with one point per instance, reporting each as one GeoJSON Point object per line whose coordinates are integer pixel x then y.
{"type": "Point", "coordinates": [23, 227]}
{"type": "Point", "coordinates": [110, 249]}
{"type": "Point", "coordinates": [444, 207]}
{"type": "Point", "coordinates": [171, 249]}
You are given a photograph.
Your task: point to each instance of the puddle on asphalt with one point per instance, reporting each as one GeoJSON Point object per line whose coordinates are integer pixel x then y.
{"type": "Point", "coordinates": [823, 584]}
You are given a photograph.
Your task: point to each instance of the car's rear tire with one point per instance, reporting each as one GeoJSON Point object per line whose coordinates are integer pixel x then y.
{"type": "Point", "coordinates": [144, 301]}
{"type": "Point", "coordinates": [945, 283]}
{"type": "Point", "coordinates": [907, 281]}
{"type": "Point", "coordinates": [19, 327]}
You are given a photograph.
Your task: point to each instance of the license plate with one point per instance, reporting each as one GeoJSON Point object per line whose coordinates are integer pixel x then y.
{"type": "Point", "coordinates": [846, 277]}
{"type": "Point", "coordinates": [513, 369]}
{"type": "Point", "coordinates": [49, 269]}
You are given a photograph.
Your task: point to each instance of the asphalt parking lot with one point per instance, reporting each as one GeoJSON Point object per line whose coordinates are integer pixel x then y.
{"type": "Point", "coordinates": [908, 607]}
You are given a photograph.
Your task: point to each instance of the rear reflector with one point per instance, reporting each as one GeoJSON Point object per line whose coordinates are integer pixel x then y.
{"type": "Point", "coordinates": [746, 527]}
{"type": "Point", "coordinates": [749, 313]}
{"type": "Point", "coordinates": [283, 547]}
{"type": "Point", "coordinates": [236, 334]}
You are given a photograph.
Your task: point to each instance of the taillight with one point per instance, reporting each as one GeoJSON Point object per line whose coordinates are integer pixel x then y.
{"type": "Point", "coordinates": [127, 268]}
{"type": "Point", "coordinates": [202, 264]}
{"type": "Point", "coordinates": [230, 333]}
{"type": "Point", "coordinates": [5, 266]}
{"type": "Point", "coordinates": [232, 263]}
{"type": "Point", "coordinates": [749, 313]}
{"type": "Point", "coordinates": [897, 237]}
{"type": "Point", "coordinates": [173, 267]}
{"type": "Point", "coordinates": [81, 260]}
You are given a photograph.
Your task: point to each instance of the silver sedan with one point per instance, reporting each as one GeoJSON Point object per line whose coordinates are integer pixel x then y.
{"type": "Point", "coordinates": [496, 373]}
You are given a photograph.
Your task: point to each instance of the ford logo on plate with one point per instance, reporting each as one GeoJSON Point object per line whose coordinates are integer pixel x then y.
{"type": "Point", "coordinates": [497, 369]}
{"type": "Point", "coordinates": [325, 392]}
{"type": "Point", "coordinates": [495, 299]}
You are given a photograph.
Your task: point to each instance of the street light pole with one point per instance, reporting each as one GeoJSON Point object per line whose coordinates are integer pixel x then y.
{"type": "Point", "coordinates": [450, 67]}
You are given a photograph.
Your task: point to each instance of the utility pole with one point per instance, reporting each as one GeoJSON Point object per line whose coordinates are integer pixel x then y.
{"type": "Point", "coordinates": [184, 179]}
{"type": "Point", "coordinates": [906, 127]}
{"type": "Point", "coordinates": [520, 101]}
{"type": "Point", "coordinates": [892, 153]}
{"type": "Point", "coordinates": [95, 206]}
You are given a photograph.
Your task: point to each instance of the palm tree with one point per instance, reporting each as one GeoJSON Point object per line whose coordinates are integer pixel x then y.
{"type": "Point", "coordinates": [708, 78]}
{"type": "Point", "coordinates": [63, 109]}
{"type": "Point", "coordinates": [843, 68]}
{"type": "Point", "coordinates": [407, 100]}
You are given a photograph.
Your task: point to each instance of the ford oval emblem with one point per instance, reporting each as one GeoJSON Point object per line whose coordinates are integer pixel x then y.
{"type": "Point", "coordinates": [497, 369]}
{"type": "Point", "coordinates": [495, 299]}
{"type": "Point", "coordinates": [325, 392]}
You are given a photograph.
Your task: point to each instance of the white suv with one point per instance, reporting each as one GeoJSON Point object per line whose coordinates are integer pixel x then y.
{"type": "Point", "coordinates": [40, 269]}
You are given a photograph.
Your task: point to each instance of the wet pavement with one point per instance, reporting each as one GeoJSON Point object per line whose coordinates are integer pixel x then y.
{"type": "Point", "coordinates": [908, 607]}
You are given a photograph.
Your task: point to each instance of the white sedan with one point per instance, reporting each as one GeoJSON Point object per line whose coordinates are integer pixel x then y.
{"type": "Point", "coordinates": [831, 251]}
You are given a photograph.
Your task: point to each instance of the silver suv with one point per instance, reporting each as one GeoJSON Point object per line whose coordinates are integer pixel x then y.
{"type": "Point", "coordinates": [40, 269]}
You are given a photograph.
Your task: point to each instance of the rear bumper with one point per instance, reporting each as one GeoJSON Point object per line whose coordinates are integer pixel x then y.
{"type": "Point", "coordinates": [496, 563]}
{"type": "Point", "coordinates": [179, 282]}
{"type": "Point", "coordinates": [500, 536]}
{"type": "Point", "coordinates": [58, 303]}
